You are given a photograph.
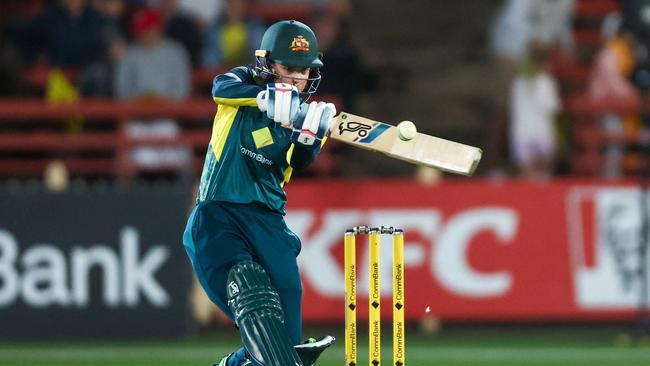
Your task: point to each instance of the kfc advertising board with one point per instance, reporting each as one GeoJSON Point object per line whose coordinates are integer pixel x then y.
{"type": "Point", "coordinates": [87, 261]}
{"type": "Point", "coordinates": [478, 250]}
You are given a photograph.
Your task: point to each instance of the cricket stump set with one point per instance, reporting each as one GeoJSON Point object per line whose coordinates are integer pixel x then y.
{"type": "Point", "coordinates": [374, 295]}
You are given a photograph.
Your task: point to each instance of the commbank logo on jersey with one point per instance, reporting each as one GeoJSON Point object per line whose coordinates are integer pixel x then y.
{"type": "Point", "coordinates": [299, 43]}
{"type": "Point", "coordinates": [255, 156]}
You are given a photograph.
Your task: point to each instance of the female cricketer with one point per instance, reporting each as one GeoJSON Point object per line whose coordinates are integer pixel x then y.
{"type": "Point", "coordinates": [241, 249]}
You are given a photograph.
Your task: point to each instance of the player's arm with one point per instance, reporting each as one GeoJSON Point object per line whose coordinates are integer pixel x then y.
{"type": "Point", "coordinates": [280, 102]}
{"type": "Point", "coordinates": [235, 88]}
{"type": "Point", "coordinates": [303, 156]}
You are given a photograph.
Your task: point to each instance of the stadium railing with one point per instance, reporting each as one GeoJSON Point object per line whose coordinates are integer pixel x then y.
{"type": "Point", "coordinates": [76, 149]}
{"type": "Point", "coordinates": [104, 151]}
{"type": "Point", "coordinates": [590, 140]}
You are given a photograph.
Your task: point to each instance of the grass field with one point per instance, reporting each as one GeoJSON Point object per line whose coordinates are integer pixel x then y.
{"type": "Point", "coordinates": [491, 347]}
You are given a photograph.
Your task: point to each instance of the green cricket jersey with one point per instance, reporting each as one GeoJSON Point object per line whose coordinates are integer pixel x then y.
{"type": "Point", "coordinates": [250, 157]}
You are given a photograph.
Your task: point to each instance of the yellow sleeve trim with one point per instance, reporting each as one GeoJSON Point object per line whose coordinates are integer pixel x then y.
{"type": "Point", "coordinates": [289, 170]}
{"type": "Point", "coordinates": [290, 153]}
{"type": "Point", "coordinates": [287, 176]}
{"type": "Point", "coordinates": [236, 102]}
{"type": "Point", "coordinates": [221, 128]}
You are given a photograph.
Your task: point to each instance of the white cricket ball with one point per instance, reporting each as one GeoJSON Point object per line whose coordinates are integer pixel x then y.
{"type": "Point", "coordinates": [406, 130]}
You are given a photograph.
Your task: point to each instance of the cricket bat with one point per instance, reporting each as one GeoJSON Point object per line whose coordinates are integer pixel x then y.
{"type": "Point", "coordinates": [448, 156]}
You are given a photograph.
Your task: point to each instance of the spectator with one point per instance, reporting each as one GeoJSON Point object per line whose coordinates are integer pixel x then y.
{"type": "Point", "coordinates": [614, 62]}
{"type": "Point", "coordinates": [182, 28]}
{"type": "Point", "coordinates": [96, 80]}
{"type": "Point", "coordinates": [508, 44]}
{"type": "Point", "coordinates": [510, 32]}
{"type": "Point", "coordinates": [204, 11]}
{"type": "Point", "coordinates": [70, 33]}
{"type": "Point", "coordinates": [534, 104]}
{"type": "Point", "coordinates": [9, 62]}
{"type": "Point", "coordinates": [232, 38]}
{"type": "Point", "coordinates": [344, 78]}
{"type": "Point", "coordinates": [520, 23]}
{"type": "Point", "coordinates": [73, 35]}
{"type": "Point", "coordinates": [154, 68]}
{"type": "Point", "coordinates": [346, 75]}
{"type": "Point", "coordinates": [610, 80]}
{"type": "Point", "coordinates": [114, 12]}
{"type": "Point", "coordinates": [16, 21]}
{"type": "Point", "coordinates": [552, 24]}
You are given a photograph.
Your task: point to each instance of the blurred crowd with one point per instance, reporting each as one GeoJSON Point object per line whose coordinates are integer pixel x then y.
{"type": "Point", "coordinates": [151, 45]}
{"type": "Point", "coordinates": [150, 50]}
{"type": "Point", "coordinates": [529, 39]}
{"type": "Point", "coordinates": [523, 36]}
{"type": "Point", "coordinates": [621, 72]}
{"type": "Point", "coordinates": [154, 49]}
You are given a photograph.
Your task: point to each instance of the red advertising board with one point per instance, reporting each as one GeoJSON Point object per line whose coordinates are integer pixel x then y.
{"type": "Point", "coordinates": [477, 250]}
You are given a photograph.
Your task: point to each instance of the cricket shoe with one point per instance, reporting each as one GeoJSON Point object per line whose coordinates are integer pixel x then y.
{"type": "Point", "coordinates": [308, 352]}
{"type": "Point", "coordinates": [312, 349]}
{"type": "Point", "coordinates": [224, 361]}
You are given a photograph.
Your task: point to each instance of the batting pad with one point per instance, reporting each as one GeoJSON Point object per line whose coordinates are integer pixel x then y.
{"type": "Point", "coordinates": [259, 316]}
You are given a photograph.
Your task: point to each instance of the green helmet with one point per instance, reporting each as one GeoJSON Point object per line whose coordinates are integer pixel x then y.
{"type": "Point", "coordinates": [290, 43]}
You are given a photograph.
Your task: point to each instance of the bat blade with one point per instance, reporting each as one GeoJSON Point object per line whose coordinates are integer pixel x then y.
{"type": "Point", "coordinates": [449, 156]}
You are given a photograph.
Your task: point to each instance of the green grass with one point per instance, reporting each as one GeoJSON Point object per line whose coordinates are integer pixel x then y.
{"type": "Point", "coordinates": [483, 347]}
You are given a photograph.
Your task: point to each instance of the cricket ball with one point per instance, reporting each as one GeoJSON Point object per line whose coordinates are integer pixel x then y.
{"type": "Point", "coordinates": [406, 130]}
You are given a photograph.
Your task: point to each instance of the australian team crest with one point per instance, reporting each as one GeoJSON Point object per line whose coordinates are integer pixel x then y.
{"type": "Point", "coordinates": [299, 43]}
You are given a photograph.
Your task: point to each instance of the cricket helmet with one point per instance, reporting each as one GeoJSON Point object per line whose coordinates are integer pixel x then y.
{"type": "Point", "coordinates": [292, 44]}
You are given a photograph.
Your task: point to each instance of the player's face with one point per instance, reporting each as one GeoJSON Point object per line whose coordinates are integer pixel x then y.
{"type": "Point", "coordinates": [292, 75]}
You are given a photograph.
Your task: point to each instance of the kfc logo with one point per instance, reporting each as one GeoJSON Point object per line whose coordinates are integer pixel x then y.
{"type": "Point", "coordinates": [444, 251]}
{"type": "Point", "coordinates": [605, 237]}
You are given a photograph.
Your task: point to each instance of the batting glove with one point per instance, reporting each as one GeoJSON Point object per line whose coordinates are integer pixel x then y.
{"type": "Point", "coordinates": [313, 123]}
{"type": "Point", "coordinates": [281, 103]}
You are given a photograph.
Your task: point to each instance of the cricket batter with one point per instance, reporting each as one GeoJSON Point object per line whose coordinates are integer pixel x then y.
{"type": "Point", "coordinates": [241, 249]}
